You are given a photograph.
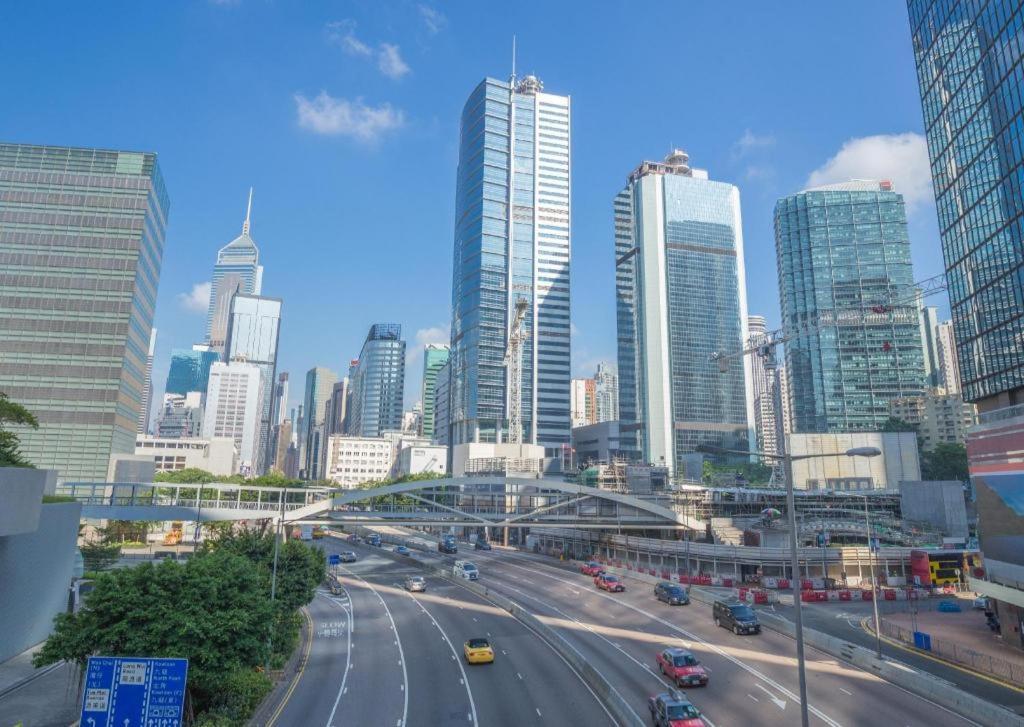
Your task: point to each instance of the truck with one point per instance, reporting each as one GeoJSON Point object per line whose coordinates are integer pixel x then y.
{"type": "Point", "coordinates": [446, 544]}
{"type": "Point", "coordinates": [373, 539]}
{"type": "Point", "coordinates": [306, 532]}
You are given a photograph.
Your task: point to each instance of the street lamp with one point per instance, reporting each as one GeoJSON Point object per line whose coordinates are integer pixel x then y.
{"type": "Point", "coordinates": [788, 460]}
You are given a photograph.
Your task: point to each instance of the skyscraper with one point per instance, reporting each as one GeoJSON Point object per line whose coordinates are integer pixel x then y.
{"type": "Point", "coordinates": [442, 407]}
{"type": "Point", "coordinates": [844, 266]}
{"type": "Point", "coordinates": [319, 384]}
{"type": "Point", "coordinates": [233, 405]}
{"type": "Point", "coordinates": [681, 297]}
{"type": "Point", "coordinates": [435, 356]}
{"type": "Point", "coordinates": [928, 321]}
{"type": "Point", "coordinates": [237, 271]}
{"type": "Point", "coordinates": [337, 408]}
{"type": "Point", "coordinates": [254, 324]}
{"type": "Point", "coordinates": [606, 393]}
{"type": "Point", "coordinates": [582, 402]}
{"type": "Point", "coordinates": [511, 242]}
{"type": "Point", "coordinates": [278, 413]}
{"type": "Point", "coordinates": [81, 244]}
{"type": "Point", "coordinates": [949, 369]}
{"type": "Point", "coordinates": [763, 384]}
{"type": "Point", "coordinates": [147, 388]}
{"type": "Point", "coordinates": [190, 369]}
{"type": "Point", "coordinates": [378, 381]}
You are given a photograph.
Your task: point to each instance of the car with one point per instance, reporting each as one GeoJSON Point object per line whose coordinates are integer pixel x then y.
{"type": "Point", "coordinates": [415, 584]}
{"type": "Point", "coordinates": [673, 709]}
{"type": "Point", "coordinates": [592, 568]}
{"type": "Point", "coordinates": [465, 569]}
{"type": "Point", "coordinates": [347, 556]}
{"type": "Point", "coordinates": [481, 545]}
{"type": "Point", "coordinates": [737, 616]}
{"type": "Point", "coordinates": [671, 593]}
{"type": "Point", "coordinates": [608, 582]}
{"type": "Point", "coordinates": [682, 667]}
{"type": "Point", "coordinates": [402, 550]}
{"type": "Point", "coordinates": [478, 651]}
{"type": "Point", "coordinates": [354, 539]}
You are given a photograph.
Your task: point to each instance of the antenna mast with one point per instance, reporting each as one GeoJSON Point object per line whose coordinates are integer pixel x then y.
{"type": "Point", "coordinates": [512, 78]}
{"type": "Point", "coordinates": [248, 212]}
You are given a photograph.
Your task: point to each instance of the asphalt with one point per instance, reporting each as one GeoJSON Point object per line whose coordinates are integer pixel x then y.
{"type": "Point", "coordinates": [46, 701]}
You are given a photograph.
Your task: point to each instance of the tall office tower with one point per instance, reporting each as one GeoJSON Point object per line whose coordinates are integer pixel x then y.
{"type": "Point", "coordinates": [435, 355]}
{"type": "Point", "coordinates": [190, 369]}
{"type": "Point", "coordinates": [233, 406]}
{"type": "Point", "coordinates": [337, 408]}
{"type": "Point", "coordinates": [949, 369]}
{"type": "Point", "coordinates": [147, 388]}
{"type": "Point", "coordinates": [181, 416]}
{"type": "Point", "coordinates": [511, 244]}
{"type": "Point", "coordinates": [378, 381]}
{"type": "Point", "coordinates": [238, 270]}
{"type": "Point", "coordinates": [606, 393]}
{"type": "Point", "coordinates": [763, 384]}
{"type": "Point", "coordinates": [254, 325]}
{"type": "Point", "coordinates": [320, 383]}
{"type": "Point", "coordinates": [681, 297]}
{"type": "Point", "coordinates": [299, 437]}
{"type": "Point", "coordinates": [81, 245]}
{"type": "Point", "coordinates": [442, 406]}
{"type": "Point", "coordinates": [787, 402]}
{"type": "Point", "coordinates": [282, 441]}
{"type": "Point", "coordinates": [278, 413]}
{"type": "Point", "coordinates": [582, 402]}
{"type": "Point", "coordinates": [844, 265]}
{"type": "Point", "coordinates": [928, 321]}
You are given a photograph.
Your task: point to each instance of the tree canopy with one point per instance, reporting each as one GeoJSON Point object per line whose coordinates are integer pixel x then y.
{"type": "Point", "coordinates": [947, 461]}
{"type": "Point", "coordinates": [10, 446]}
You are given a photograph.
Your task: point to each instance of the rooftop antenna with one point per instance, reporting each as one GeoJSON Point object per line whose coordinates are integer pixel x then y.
{"type": "Point", "coordinates": [512, 78]}
{"type": "Point", "coordinates": [248, 212]}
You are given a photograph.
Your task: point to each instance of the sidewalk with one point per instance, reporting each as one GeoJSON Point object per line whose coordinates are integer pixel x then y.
{"type": "Point", "coordinates": [37, 697]}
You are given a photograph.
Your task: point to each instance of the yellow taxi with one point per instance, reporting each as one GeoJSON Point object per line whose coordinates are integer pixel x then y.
{"type": "Point", "coordinates": [478, 651]}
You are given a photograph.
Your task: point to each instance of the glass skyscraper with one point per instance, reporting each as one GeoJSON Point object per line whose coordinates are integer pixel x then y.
{"type": "Point", "coordinates": [843, 258]}
{"type": "Point", "coordinates": [320, 383]}
{"type": "Point", "coordinates": [680, 298]}
{"type": "Point", "coordinates": [189, 369]}
{"type": "Point", "coordinates": [81, 245]}
{"type": "Point", "coordinates": [434, 357]}
{"type": "Point", "coordinates": [378, 381]}
{"type": "Point", "coordinates": [512, 242]}
{"type": "Point", "coordinates": [237, 271]}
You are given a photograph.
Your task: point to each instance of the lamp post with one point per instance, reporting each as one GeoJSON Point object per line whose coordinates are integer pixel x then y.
{"type": "Point", "coordinates": [874, 588]}
{"type": "Point", "coordinates": [787, 460]}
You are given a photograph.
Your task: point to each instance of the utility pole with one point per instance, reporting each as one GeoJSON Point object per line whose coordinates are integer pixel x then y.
{"type": "Point", "coordinates": [874, 589]}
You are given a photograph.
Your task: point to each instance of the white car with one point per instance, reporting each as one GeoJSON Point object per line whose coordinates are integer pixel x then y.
{"type": "Point", "coordinates": [465, 569]}
{"type": "Point", "coordinates": [415, 584]}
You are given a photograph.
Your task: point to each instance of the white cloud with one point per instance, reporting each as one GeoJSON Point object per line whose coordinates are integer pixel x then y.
{"type": "Point", "coordinates": [901, 158]}
{"type": "Point", "coordinates": [390, 62]}
{"type": "Point", "coordinates": [434, 334]}
{"type": "Point", "coordinates": [343, 33]}
{"type": "Point", "coordinates": [751, 141]}
{"type": "Point", "coordinates": [332, 116]}
{"type": "Point", "coordinates": [196, 300]}
{"type": "Point", "coordinates": [433, 19]}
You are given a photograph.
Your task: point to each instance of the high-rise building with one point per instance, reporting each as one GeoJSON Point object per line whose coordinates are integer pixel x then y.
{"type": "Point", "coordinates": [254, 325]}
{"type": "Point", "coordinates": [583, 402]}
{"type": "Point", "coordinates": [763, 383]}
{"type": "Point", "coordinates": [282, 440]}
{"type": "Point", "coordinates": [442, 405]}
{"type": "Point", "coordinates": [147, 388]}
{"type": "Point", "coordinates": [233, 405]}
{"type": "Point", "coordinates": [928, 321]}
{"type": "Point", "coordinates": [681, 297]}
{"type": "Point", "coordinates": [278, 411]}
{"type": "Point", "coordinates": [181, 416]}
{"type": "Point", "coordinates": [511, 243]}
{"type": "Point", "coordinates": [787, 403]}
{"type": "Point", "coordinates": [81, 245]}
{"type": "Point", "coordinates": [190, 369]}
{"type": "Point", "coordinates": [337, 408]}
{"type": "Point", "coordinates": [606, 393]}
{"type": "Point", "coordinates": [237, 270]}
{"type": "Point", "coordinates": [320, 383]}
{"type": "Point", "coordinates": [378, 382]}
{"type": "Point", "coordinates": [849, 305]}
{"type": "Point", "coordinates": [435, 355]}
{"type": "Point", "coordinates": [949, 369]}
{"type": "Point", "coordinates": [940, 418]}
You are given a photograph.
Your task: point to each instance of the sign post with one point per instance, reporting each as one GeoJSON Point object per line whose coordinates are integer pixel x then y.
{"type": "Point", "coordinates": [134, 692]}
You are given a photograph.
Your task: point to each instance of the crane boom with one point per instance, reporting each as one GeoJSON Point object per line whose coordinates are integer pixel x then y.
{"type": "Point", "coordinates": [514, 366]}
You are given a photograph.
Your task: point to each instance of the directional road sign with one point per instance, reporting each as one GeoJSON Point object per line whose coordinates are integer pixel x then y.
{"type": "Point", "coordinates": [134, 692]}
{"type": "Point", "coordinates": [334, 559]}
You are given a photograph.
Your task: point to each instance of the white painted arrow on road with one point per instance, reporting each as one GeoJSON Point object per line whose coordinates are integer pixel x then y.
{"type": "Point", "coordinates": [780, 703]}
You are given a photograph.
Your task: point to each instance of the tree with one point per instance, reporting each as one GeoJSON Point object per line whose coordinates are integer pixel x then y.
{"type": "Point", "coordinates": [100, 557]}
{"type": "Point", "coordinates": [10, 445]}
{"type": "Point", "coordinates": [947, 461]}
{"type": "Point", "coordinates": [187, 476]}
{"type": "Point", "coordinates": [895, 424]}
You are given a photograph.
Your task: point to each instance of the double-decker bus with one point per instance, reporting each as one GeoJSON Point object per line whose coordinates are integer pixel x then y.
{"type": "Point", "coordinates": [945, 567]}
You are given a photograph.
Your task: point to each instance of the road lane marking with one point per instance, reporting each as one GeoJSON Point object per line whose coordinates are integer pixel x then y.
{"type": "Point", "coordinates": [780, 703]}
{"type": "Point", "coordinates": [844, 691]}
{"type": "Point", "coordinates": [538, 711]}
{"type": "Point", "coordinates": [753, 697]}
{"type": "Point", "coordinates": [298, 673]}
{"type": "Point", "coordinates": [462, 669]}
{"type": "Point", "coordinates": [519, 675]}
{"type": "Point", "coordinates": [342, 689]}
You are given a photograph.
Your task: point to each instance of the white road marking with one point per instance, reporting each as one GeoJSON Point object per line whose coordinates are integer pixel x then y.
{"type": "Point", "coordinates": [780, 703]}
{"type": "Point", "coordinates": [844, 691]}
{"type": "Point", "coordinates": [342, 689]}
{"type": "Point", "coordinates": [519, 675]}
{"type": "Point", "coordinates": [753, 697]}
{"type": "Point", "coordinates": [462, 669]}
{"type": "Point", "coordinates": [538, 711]}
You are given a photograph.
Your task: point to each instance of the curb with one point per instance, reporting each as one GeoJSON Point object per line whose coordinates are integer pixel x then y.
{"type": "Point", "coordinates": [38, 673]}
{"type": "Point", "coordinates": [269, 708]}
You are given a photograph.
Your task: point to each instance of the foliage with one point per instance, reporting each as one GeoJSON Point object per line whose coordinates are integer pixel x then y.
{"type": "Point", "coordinates": [100, 557]}
{"type": "Point", "coordinates": [753, 473]}
{"type": "Point", "coordinates": [237, 696]}
{"type": "Point", "coordinates": [187, 476]}
{"type": "Point", "coordinates": [10, 445]}
{"type": "Point", "coordinates": [125, 531]}
{"type": "Point", "coordinates": [948, 461]}
{"type": "Point", "coordinates": [51, 499]}
{"type": "Point", "coordinates": [197, 476]}
{"type": "Point", "coordinates": [895, 424]}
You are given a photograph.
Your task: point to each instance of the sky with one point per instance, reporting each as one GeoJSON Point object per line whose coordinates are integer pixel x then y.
{"type": "Point", "coordinates": [344, 118]}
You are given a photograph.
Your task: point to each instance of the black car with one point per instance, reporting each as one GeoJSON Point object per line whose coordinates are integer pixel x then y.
{"type": "Point", "coordinates": [671, 593]}
{"type": "Point", "coordinates": [736, 616]}
{"type": "Point", "coordinates": [481, 545]}
{"type": "Point", "coordinates": [672, 708]}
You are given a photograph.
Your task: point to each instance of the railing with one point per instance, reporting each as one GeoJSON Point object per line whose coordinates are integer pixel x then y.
{"type": "Point", "coordinates": [960, 654]}
{"type": "Point", "coordinates": [166, 501]}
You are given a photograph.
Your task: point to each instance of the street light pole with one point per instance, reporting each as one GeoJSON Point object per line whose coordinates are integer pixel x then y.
{"type": "Point", "coordinates": [273, 580]}
{"type": "Point", "coordinates": [874, 589]}
{"type": "Point", "coordinates": [787, 460]}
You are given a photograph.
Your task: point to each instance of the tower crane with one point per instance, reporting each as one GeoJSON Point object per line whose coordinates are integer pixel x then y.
{"type": "Point", "coordinates": [514, 366]}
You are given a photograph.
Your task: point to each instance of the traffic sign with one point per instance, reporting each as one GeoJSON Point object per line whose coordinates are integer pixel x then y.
{"type": "Point", "coordinates": [334, 559]}
{"type": "Point", "coordinates": [133, 692]}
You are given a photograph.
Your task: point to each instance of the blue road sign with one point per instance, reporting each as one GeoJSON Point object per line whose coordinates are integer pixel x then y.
{"type": "Point", "coordinates": [334, 559]}
{"type": "Point", "coordinates": [134, 692]}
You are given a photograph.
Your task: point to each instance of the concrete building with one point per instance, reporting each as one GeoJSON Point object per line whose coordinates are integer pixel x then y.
{"type": "Point", "coordinates": [378, 382]}
{"type": "Point", "coordinates": [412, 420]}
{"type": "Point", "coordinates": [181, 416]}
{"type": "Point", "coordinates": [583, 402]}
{"type": "Point", "coordinates": [278, 412]}
{"type": "Point", "coordinates": [421, 458]}
{"type": "Point", "coordinates": [763, 384]}
{"type": "Point", "coordinates": [282, 442]}
{"type": "Point", "coordinates": [336, 417]}
{"type": "Point", "coordinates": [351, 461]}
{"type": "Point", "coordinates": [237, 270]}
{"type": "Point", "coordinates": [442, 407]}
{"type": "Point", "coordinates": [147, 388]}
{"type": "Point", "coordinates": [320, 383]}
{"type": "Point", "coordinates": [521, 460]}
{"type": "Point", "coordinates": [512, 212]}
{"type": "Point", "coordinates": [435, 356]}
{"type": "Point", "coordinates": [606, 393]}
{"type": "Point", "coordinates": [939, 417]}
{"type": "Point", "coordinates": [81, 244]}
{"type": "Point", "coordinates": [928, 322]}
{"type": "Point", "coordinates": [681, 297]}
{"type": "Point", "coordinates": [217, 455]}
{"type": "Point", "coordinates": [949, 369]}
{"type": "Point", "coordinates": [899, 460]}
{"type": "Point", "coordinates": [597, 443]}
{"type": "Point", "coordinates": [233, 409]}
{"type": "Point", "coordinates": [940, 504]}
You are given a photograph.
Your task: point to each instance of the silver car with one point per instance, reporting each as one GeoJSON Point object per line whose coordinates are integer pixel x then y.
{"type": "Point", "coordinates": [415, 583]}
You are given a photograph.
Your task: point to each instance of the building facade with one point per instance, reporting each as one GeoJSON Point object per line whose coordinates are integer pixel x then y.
{"type": "Point", "coordinates": [597, 443]}
{"type": "Point", "coordinates": [606, 393]}
{"type": "Point", "coordinates": [681, 297]}
{"type": "Point", "coordinates": [512, 209]}
{"type": "Point", "coordinates": [940, 418]}
{"type": "Point", "coordinates": [147, 388]}
{"type": "Point", "coordinates": [190, 369]}
{"type": "Point", "coordinates": [233, 406]}
{"type": "Point", "coordinates": [928, 322]}
{"type": "Point", "coordinates": [762, 370]}
{"type": "Point", "coordinates": [217, 455]}
{"type": "Point", "coordinates": [81, 246]}
{"type": "Point", "coordinates": [378, 382]}
{"type": "Point", "coordinates": [435, 356]}
{"type": "Point", "coordinates": [899, 460]}
{"type": "Point", "coordinates": [351, 461]}
{"type": "Point", "coordinates": [849, 305]}
{"type": "Point", "coordinates": [442, 406]}
{"type": "Point", "coordinates": [583, 402]}
{"type": "Point", "coordinates": [336, 419]}
{"type": "Point", "coordinates": [279, 409]}
{"type": "Point", "coordinates": [237, 270]}
{"type": "Point", "coordinates": [320, 383]}
{"type": "Point", "coordinates": [949, 368]}
{"type": "Point", "coordinates": [181, 415]}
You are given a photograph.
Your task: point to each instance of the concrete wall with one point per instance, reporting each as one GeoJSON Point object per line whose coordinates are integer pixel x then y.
{"type": "Point", "coordinates": [21, 495]}
{"type": "Point", "coordinates": [35, 573]}
{"type": "Point", "coordinates": [899, 459]}
{"type": "Point", "coordinates": [941, 504]}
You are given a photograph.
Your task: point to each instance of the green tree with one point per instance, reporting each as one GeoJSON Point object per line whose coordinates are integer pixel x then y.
{"type": "Point", "coordinates": [10, 445]}
{"type": "Point", "coordinates": [121, 531]}
{"type": "Point", "coordinates": [895, 424]}
{"type": "Point", "coordinates": [99, 556]}
{"type": "Point", "coordinates": [947, 461]}
{"type": "Point", "coordinates": [187, 476]}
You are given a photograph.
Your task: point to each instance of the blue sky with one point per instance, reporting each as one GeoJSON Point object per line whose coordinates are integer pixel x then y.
{"type": "Point", "coordinates": [344, 118]}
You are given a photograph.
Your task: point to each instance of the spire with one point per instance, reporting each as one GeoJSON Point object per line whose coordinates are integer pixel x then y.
{"type": "Point", "coordinates": [512, 79]}
{"type": "Point", "coordinates": [248, 212]}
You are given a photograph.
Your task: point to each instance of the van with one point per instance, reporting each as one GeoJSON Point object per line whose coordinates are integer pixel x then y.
{"type": "Point", "coordinates": [736, 616]}
{"type": "Point", "coordinates": [465, 569]}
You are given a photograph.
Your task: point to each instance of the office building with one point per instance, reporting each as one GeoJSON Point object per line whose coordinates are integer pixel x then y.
{"type": "Point", "coordinates": [278, 411]}
{"type": "Point", "coordinates": [233, 407]}
{"type": "Point", "coordinates": [190, 369]}
{"type": "Point", "coordinates": [596, 443]}
{"type": "Point", "coordinates": [680, 298]}
{"type": "Point", "coordinates": [237, 270]}
{"type": "Point", "coordinates": [412, 420]}
{"type": "Point", "coordinates": [281, 441]}
{"type": "Point", "coordinates": [949, 369]}
{"type": "Point", "coordinates": [849, 305]}
{"type": "Point", "coordinates": [786, 401]}
{"type": "Point", "coordinates": [147, 388]}
{"type": "Point", "coordinates": [337, 407]}
{"type": "Point", "coordinates": [352, 461]}
{"type": "Point", "coordinates": [81, 246]}
{"type": "Point", "coordinates": [928, 322]}
{"type": "Point", "coordinates": [899, 460]}
{"type": "Point", "coordinates": [763, 384]}
{"type": "Point", "coordinates": [606, 393]}
{"type": "Point", "coordinates": [216, 456]}
{"type": "Point", "coordinates": [181, 416]}
{"type": "Point", "coordinates": [512, 211]}
{"type": "Point", "coordinates": [320, 383]}
{"type": "Point", "coordinates": [442, 406]}
{"type": "Point", "coordinates": [378, 381]}
{"type": "Point", "coordinates": [582, 402]}
{"type": "Point", "coordinates": [940, 418]}
{"type": "Point", "coordinates": [435, 356]}
{"type": "Point", "coordinates": [418, 459]}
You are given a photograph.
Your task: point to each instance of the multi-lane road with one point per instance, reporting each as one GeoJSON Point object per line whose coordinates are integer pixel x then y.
{"type": "Point", "coordinates": [382, 656]}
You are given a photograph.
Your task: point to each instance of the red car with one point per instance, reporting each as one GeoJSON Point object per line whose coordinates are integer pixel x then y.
{"type": "Point", "coordinates": [682, 667]}
{"type": "Point", "coordinates": [608, 582]}
{"type": "Point", "coordinates": [591, 569]}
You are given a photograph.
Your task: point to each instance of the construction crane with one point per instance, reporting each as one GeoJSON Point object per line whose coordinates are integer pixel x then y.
{"type": "Point", "coordinates": [514, 366]}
